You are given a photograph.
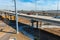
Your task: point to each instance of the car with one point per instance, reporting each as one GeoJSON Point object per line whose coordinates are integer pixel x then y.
{"type": "Point", "coordinates": [58, 17]}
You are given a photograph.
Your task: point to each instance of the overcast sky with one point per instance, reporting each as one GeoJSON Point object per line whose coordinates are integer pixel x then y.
{"type": "Point", "coordinates": [30, 4]}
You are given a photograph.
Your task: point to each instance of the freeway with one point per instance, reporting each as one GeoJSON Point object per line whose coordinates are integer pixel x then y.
{"type": "Point", "coordinates": [37, 18]}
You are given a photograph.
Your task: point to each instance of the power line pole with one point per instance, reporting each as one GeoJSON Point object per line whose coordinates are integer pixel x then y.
{"type": "Point", "coordinates": [57, 7]}
{"type": "Point", "coordinates": [36, 7]}
{"type": "Point", "coordinates": [16, 17]}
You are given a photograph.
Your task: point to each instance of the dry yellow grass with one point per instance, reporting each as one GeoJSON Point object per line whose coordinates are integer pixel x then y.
{"type": "Point", "coordinates": [19, 36]}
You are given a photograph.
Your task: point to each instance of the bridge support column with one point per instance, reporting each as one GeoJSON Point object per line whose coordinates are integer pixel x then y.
{"type": "Point", "coordinates": [40, 23]}
{"type": "Point", "coordinates": [0, 13]}
{"type": "Point", "coordinates": [37, 24]}
{"type": "Point", "coordinates": [10, 17]}
{"type": "Point", "coordinates": [14, 17]}
{"type": "Point", "coordinates": [32, 24]}
{"type": "Point", "coordinates": [33, 21]}
{"type": "Point", "coordinates": [5, 15]}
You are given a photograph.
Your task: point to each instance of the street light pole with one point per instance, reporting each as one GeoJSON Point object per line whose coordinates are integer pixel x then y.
{"type": "Point", "coordinates": [16, 17]}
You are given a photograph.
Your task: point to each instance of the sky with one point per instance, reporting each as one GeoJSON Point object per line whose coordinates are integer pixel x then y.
{"type": "Point", "coordinates": [30, 4]}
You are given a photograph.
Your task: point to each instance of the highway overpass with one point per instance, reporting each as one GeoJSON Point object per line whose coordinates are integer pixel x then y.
{"type": "Point", "coordinates": [35, 17]}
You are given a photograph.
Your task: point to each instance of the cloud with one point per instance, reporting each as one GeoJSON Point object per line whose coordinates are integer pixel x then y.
{"type": "Point", "coordinates": [30, 5]}
{"type": "Point", "coordinates": [25, 6]}
{"type": "Point", "coordinates": [6, 4]}
{"type": "Point", "coordinates": [47, 5]}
